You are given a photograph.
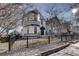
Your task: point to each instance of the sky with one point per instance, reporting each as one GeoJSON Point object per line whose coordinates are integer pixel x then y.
{"type": "Point", "coordinates": [60, 6]}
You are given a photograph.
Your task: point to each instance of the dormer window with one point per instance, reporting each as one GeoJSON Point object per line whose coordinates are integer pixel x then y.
{"type": "Point", "coordinates": [32, 16]}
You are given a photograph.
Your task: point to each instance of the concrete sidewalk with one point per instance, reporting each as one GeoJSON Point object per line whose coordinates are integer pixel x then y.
{"type": "Point", "coordinates": [72, 50]}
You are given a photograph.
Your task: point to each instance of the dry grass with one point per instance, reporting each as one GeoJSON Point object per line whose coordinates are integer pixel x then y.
{"type": "Point", "coordinates": [3, 47]}
{"type": "Point", "coordinates": [31, 42]}
{"type": "Point", "coordinates": [22, 43]}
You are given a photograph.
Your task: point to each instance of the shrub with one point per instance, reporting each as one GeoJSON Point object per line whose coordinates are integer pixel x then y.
{"type": "Point", "coordinates": [4, 39]}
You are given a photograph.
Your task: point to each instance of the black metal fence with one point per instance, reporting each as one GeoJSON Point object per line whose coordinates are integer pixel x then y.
{"type": "Point", "coordinates": [18, 42]}
{"type": "Point", "coordinates": [27, 39]}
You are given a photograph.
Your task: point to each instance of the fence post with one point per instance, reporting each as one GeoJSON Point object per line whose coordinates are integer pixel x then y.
{"type": "Point", "coordinates": [66, 37]}
{"type": "Point", "coordinates": [49, 39]}
{"type": "Point", "coordinates": [72, 37]}
{"type": "Point", "coordinates": [9, 44]}
{"type": "Point", "coordinates": [27, 41]}
{"type": "Point", "coordinates": [61, 37]}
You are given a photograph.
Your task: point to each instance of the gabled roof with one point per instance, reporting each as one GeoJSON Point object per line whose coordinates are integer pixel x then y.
{"type": "Point", "coordinates": [53, 19]}
{"type": "Point", "coordinates": [34, 10]}
{"type": "Point", "coordinates": [56, 19]}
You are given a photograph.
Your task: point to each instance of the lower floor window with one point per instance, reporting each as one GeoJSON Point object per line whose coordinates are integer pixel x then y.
{"type": "Point", "coordinates": [35, 30]}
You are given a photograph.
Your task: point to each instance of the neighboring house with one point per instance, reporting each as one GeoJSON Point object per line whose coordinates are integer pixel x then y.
{"type": "Point", "coordinates": [52, 25]}
{"type": "Point", "coordinates": [75, 29]}
{"type": "Point", "coordinates": [66, 26]}
{"type": "Point", "coordinates": [57, 26]}
{"type": "Point", "coordinates": [75, 26]}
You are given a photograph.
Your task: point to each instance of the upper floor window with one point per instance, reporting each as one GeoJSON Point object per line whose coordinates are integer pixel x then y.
{"type": "Point", "coordinates": [32, 16]}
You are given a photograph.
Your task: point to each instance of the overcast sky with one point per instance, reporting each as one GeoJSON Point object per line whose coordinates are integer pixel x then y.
{"type": "Point", "coordinates": [63, 7]}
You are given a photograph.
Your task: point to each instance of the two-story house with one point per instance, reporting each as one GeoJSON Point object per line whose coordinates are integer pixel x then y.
{"type": "Point", "coordinates": [32, 22]}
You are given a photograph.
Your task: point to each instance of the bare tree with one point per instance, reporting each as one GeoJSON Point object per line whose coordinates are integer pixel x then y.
{"type": "Point", "coordinates": [53, 13]}
{"type": "Point", "coordinates": [10, 14]}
